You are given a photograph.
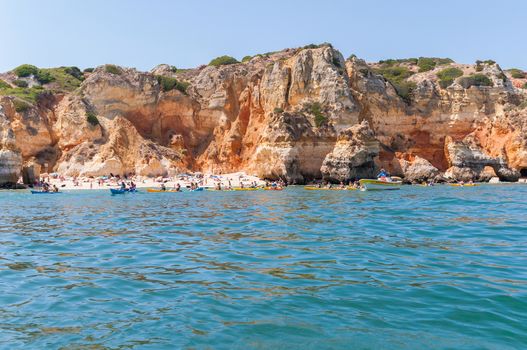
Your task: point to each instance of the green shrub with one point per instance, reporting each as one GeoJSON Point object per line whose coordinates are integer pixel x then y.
{"type": "Point", "coordinates": [475, 80]}
{"type": "Point", "coordinates": [112, 69]}
{"type": "Point", "coordinates": [525, 86]}
{"type": "Point", "coordinates": [392, 62]}
{"type": "Point", "coordinates": [25, 70]}
{"type": "Point", "coordinates": [443, 61]}
{"type": "Point", "coordinates": [397, 76]}
{"type": "Point", "coordinates": [352, 56]}
{"type": "Point", "coordinates": [169, 83]}
{"type": "Point", "coordinates": [316, 46]}
{"type": "Point", "coordinates": [428, 63]}
{"type": "Point", "coordinates": [92, 119]}
{"type": "Point", "coordinates": [425, 64]}
{"type": "Point", "coordinates": [44, 76]}
{"type": "Point", "coordinates": [316, 110]}
{"type": "Point", "coordinates": [74, 72]}
{"type": "Point", "coordinates": [27, 94]}
{"type": "Point", "coordinates": [65, 78]}
{"type": "Point", "coordinates": [88, 70]}
{"type": "Point", "coordinates": [4, 85]}
{"type": "Point", "coordinates": [278, 110]}
{"type": "Point", "coordinates": [310, 46]}
{"type": "Point", "coordinates": [182, 86]}
{"type": "Point", "coordinates": [517, 73]}
{"type": "Point", "coordinates": [173, 69]}
{"type": "Point", "coordinates": [482, 80]}
{"type": "Point", "coordinates": [21, 106]}
{"type": "Point", "coordinates": [448, 75]}
{"type": "Point", "coordinates": [246, 58]}
{"type": "Point", "coordinates": [395, 73]}
{"type": "Point", "coordinates": [20, 83]}
{"type": "Point", "coordinates": [223, 60]}
{"type": "Point", "coordinates": [405, 89]}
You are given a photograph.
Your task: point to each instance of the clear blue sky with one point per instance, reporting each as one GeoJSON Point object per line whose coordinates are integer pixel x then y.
{"type": "Point", "coordinates": [142, 34]}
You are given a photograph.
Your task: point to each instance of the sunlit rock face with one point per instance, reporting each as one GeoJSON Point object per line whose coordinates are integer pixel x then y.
{"type": "Point", "coordinates": [296, 114]}
{"type": "Point", "coordinates": [10, 156]}
{"type": "Point", "coordinates": [353, 156]}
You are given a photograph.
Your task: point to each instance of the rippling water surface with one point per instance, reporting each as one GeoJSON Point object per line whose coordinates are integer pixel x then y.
{"type": "Point", "coordinates": [419, 268]}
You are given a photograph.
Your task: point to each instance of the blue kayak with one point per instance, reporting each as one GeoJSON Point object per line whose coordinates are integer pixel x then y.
{"type": "Point", "coordinates": [119, 191]}
{"type": "Point", "coordinates": [43, 192]}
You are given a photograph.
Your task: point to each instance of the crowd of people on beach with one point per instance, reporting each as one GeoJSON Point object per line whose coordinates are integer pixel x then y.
{"type": "Point", "coordinates": [132, 181]}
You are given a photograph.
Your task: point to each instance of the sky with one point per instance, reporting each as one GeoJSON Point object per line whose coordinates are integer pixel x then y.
{"type": "Point", "coordinates": [186, 34]}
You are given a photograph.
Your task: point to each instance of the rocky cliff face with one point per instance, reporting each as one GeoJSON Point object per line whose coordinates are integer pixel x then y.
{"type": "Point", "coordinates": [10, 157]}
{"type": "Point", "coordinates": [353, 156]}
{"type": "Point", "coordinates": [296, 114]}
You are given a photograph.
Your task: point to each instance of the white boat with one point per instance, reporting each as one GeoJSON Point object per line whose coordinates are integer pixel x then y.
{"type": "Point", "coordinates": [387, 183]}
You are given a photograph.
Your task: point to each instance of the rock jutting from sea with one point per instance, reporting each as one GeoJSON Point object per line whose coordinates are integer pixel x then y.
{"type": "Point", "coordinates": [297, 114]}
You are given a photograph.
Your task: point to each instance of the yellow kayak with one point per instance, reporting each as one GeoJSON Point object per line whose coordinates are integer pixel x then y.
{"type": "Point", "coordinates": [156, 190]}
{"type": "Point", "coordinates": [314, 188]}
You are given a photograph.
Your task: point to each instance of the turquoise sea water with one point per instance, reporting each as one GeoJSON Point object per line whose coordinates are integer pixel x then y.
{"type": "Point", "coordinates": [419, 268]}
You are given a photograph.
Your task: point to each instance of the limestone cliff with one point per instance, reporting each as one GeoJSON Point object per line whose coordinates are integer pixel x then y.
{"type": "Point", "coordinates": [10, 157]}
{"type": "Point", "coordinates": [296, 114]}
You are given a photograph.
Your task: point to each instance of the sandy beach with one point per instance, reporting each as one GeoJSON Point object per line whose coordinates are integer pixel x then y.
{"type": "Point", "coordinates": [184, 180]}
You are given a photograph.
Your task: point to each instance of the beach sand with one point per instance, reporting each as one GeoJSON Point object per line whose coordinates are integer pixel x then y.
{"type": "Point", "coordinates": [184, 180]}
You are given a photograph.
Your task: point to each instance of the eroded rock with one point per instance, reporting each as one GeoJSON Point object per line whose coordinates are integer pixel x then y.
{"type": "Point", "coordinates": [416, 169]}
{"type": "Point", "coordinates": [353, 155]}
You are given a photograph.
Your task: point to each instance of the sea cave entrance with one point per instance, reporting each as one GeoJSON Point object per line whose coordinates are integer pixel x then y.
{"type": "Point", "coordinates": [523, 172]}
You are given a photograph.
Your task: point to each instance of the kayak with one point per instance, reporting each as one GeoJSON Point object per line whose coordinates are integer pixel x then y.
{"type": "Point", "coordinates": [373, 184]}
{"type": "Point", "coordinates": [43, 192]}
{"type": "Point", "coordinates": [199, 189]}
{"type": "Point", "coordinates": [314, 188]}
{"type": "Point", "coordinates": [273, 188]}
{"type": "Point", "coordinates": [155, 190]}
{"type": "Point", "coordinates": [246, 188]}
{"type": "Point", "coordinates": [463, 185]}
{"type": "Point", "coordinates": [120, 191]}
